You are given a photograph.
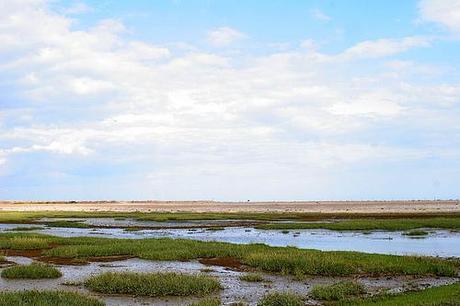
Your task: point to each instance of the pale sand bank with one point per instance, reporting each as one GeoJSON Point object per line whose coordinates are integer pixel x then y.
{"type": "Point", "coordinates": [421, 206]}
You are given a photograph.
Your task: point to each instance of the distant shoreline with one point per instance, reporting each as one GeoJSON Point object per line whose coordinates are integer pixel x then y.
{"type": "Point", "coordinates": [378, 206]}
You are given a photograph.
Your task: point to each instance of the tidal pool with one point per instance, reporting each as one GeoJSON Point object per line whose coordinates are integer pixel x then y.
{"type": "Point", "coordinates": [440, 243]}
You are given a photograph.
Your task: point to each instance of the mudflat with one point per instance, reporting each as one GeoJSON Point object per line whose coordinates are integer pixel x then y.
{"type": "Point", "coordinates": [415, 206]}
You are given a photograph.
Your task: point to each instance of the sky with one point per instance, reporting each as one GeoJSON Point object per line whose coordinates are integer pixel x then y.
{"type": "Point", "coordinates": [229, 100]}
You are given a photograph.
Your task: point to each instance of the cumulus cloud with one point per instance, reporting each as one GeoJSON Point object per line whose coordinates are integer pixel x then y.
{"type": "Point", "coordinates": [95, 94]}
{"type": "Point", "coordinates": [224, 36]}
{"type": "Point", "coordinates": [384, 47]}
{"type": "Point", "coordinates": [444, 12]}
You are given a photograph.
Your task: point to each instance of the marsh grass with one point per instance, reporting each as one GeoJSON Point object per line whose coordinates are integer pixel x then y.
{"type": "Point", "coordinates": [370, 224]}
{"type": "Point", "coordinates": [24, 243]}
{"type": "Point", "coordinates": [252, 277]}
{"type": "Point", "coordinates": [153, 284]}
{"type": "Point", "coordinates": [69, 224]}
{"type": "Point", "coordinates": [287, 260]}
{"type": "Point", "coordinates": [32, 271]}
{"type": "Point", "coordinates": [281, 299]}
{"type": "Point", "coordinates": [448, 295]}
{"type": "Point", "coordinates": [416, 232]}
{"type": "Point", "coordinates": [32, 216]}
{"type": "Point", "coordinates": [215, 228]}
{"type": "Point", "coordinates": [212, 301]}
{"type": "Point", "coordinates": [25, 228]}
{"type": "Point", "coordinates": [338, 291]}
{"type": "Point", "coordinates": [46, 298]}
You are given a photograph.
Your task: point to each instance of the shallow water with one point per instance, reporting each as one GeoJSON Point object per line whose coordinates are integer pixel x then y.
{"type": "Point", "coordinates": [125, 222]}
{"type": "Point", "coordinates": [438, 243]}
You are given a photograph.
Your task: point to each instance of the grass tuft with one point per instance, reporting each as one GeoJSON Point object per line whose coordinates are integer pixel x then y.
{"type": "Point", "coordinates": [152, 284]}
{"type": "Point", "coordinates": [252, 277]}
{"type": "Point", "coordinates": [416, 232]}
{"type": "Point", "coordinates": [213, 301]}
{"type": "Point", "coordinates": [281, 299]}
{"type": "Point", "coordinates": [366, 224]}
{"type": "Point", "coordinates": [46, 298]}
{"type": "Point", "coordinates": [336, 292]}
{"type": "Point", "coordinates": [25, 228]}
{"type": "Point", "coordinates": [448, 295]}
{"type": "Point", "coordinates": [25, 243]}
{"type": "Point", "coordinates": [32, 271]}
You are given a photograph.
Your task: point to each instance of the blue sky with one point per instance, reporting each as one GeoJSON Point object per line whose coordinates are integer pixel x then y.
{"type": "Point", "coordinates": [229, 100]}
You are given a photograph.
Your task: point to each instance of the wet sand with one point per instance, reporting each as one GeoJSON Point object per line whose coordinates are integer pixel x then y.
{"type": "Point", "coordinates": [372, 207]}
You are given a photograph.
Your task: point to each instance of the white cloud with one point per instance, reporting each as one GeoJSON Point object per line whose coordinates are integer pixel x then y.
{"type": "Point", "coordinates": [384, 47]}
{"type": "Point", "coordinates": [77, 8]}
{"type": "Point", "coordinates": [94, 93]}
{"type": "Point", "coordinates": [444, 12]}
{"type": "Point", "coordinates": [224, 36]}
{"type": "Point", "coordinates": [319, 15]}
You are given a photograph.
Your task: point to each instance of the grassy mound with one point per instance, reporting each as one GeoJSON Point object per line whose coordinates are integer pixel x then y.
{"type": "Point", "coordinates": [416, 232]}
{"type": "Point", "coordinates": [338, 291]}
{"type": "Point", "coordinates": [207, 302]}
{"type": "Point", "coordinates": [46, 298]}
{"type": "Point", "coordinates": [438, 296]}
{"type": "Point", "coordinates": [32, 271]}
{"type": "Point", "coordinates": [252, 277]}
{"type": "Point", "coordinates": [281, 299]}
{"type": "Point", "coordinates": [152, 284]}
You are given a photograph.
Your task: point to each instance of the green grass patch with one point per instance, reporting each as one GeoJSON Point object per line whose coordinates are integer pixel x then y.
{"type": "Point", "coordinates": [24, 217]}
{"type": "Point", "coordinates": [132, 229]}
{"type": "Point", "coordinates": [70, 224]}
{"type": "Point", "coordinates": [32, 271]}
{"type": "Point", "coordinates": [20, 242]}
{"type": "Point", "coordinates": [281, 299]}
{"type": "Point", "coordinates": [252, 277]}
{"type": "Point", "coordinates": [416, 232]}
{"type": "Point", "coordinates": [287, 260]}
{"type": "Point", "coordinates": [46, 298]}
{"type": "Point", "coordinates": [448, 295]}
{"type": "Point", "coordinates": [24, 228]}
{"type": "Point", "coordinates": [338, 291]}
{"type": "Point", "coordinates": [370, 224]}
{"type": "Point", "coordinates": [216, 228]}
{"type": "Point", "coordinates": [212, 301]}
{"type": "Point", "coordinates": [152, 284]}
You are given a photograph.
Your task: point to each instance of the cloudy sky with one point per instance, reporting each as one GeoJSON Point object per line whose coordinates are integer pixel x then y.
{"type": "Point", "coordinates": [229, 100]}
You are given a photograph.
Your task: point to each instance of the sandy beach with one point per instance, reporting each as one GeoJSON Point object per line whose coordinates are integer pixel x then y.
{"type": "Point", "coordinates": [420, 206]}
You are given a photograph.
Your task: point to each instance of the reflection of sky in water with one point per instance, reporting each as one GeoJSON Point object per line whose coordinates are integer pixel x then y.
{"type": "Point", "coordinates": [439, 243]}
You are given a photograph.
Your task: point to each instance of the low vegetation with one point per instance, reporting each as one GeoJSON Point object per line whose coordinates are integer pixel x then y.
{"type": "Point", "coordinates": [23, 242]}
{"type": "Point", "coordinates": [32, 271]}
{"type": "Point", "coordinates": [370, 224]}
{"type": "Point", "coordinates": [152, 284]}
{"type": "Point", "coordinates": [448, 295]}
{"type": "Point", "coordinates": [416, 233]}
{"type": "Point", "coordinates": [25, 228]}
{"type": "Point", "coordinates": [46, 298]}
{"type": "Point", "coordinates": [213, 301]}
{"type": "Point", "coordinates": [71, 224]}
{"type": "Point", "coordinates": [336, 292]}
{"type": "Point", "coordinates": [252, 277]}
{"type": "Point", "coordinates": [287, 260]}
{"type": "Point", "coordinates": [281, 299]}
{"type": "Point", "coordinates": [443, 220]}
